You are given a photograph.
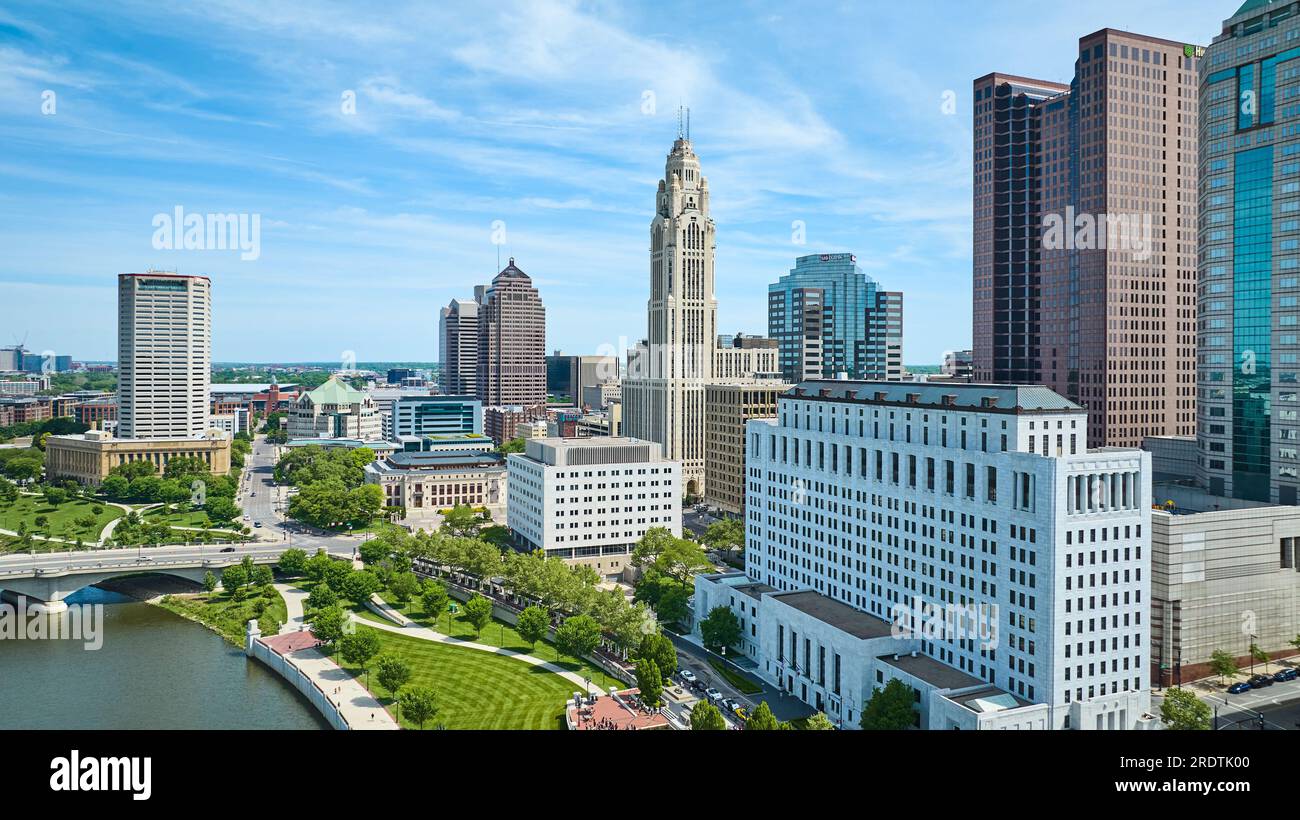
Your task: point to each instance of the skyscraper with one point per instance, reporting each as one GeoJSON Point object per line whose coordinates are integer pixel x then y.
{"type": "Point", "coordinates": [1007, 169]}
{"type": "Point", "coordinates": [164, 331]}
{"type": "Point", "coordinates": [1248, 377]}
{"type": "Point", "coordinates": [1086, 257]}
{"type": "Point", "coordinates": [458, 345]}
{"type": "Point", "coordinates": [663, 394]}
{"type": "Point", "coordinates": [828, 318]}
{"type": "Point", "coordinates": [511, 341]}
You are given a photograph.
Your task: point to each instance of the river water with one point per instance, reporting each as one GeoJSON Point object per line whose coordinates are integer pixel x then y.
{"type": "Point", "coordinates": [155, 670]}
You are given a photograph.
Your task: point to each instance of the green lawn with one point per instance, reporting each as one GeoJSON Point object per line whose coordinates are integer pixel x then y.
{"type": "Point", "coordinates": [475, 689]}
{"type": "Point", "coordinates": [497, 633]}
{"type": "Point", "coordinates": [61, 520]}
{"type": "Point", "coordinates": [226, 616]}
{"type": "Point", "coordinates": [742, 683]}
{"type": "Point", "coordinates": [185, 518]}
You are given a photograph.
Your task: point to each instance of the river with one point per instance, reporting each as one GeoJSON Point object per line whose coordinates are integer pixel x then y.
{"type": "Point", "coordinates": [155, 670]}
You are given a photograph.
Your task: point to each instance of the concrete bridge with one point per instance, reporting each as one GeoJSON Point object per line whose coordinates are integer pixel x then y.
{"type": "Point", "coordinates": [52, 576]}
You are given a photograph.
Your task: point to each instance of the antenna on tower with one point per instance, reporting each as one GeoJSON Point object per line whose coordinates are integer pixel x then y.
{"type": "Point", "coordinates": [680, 109]}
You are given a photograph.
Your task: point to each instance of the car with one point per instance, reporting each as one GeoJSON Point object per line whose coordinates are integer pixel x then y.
{"type": "Point", "coordinates": [257, 523]}
{"type": "Point", "coordinates": [1239, 688]}
{"type": "Point", "coordinates": [742, 713]}
{"type": "Point", "coordinates": [730, 705]}
{"type": "Point", "coordinates": [1260, 681]}
{"type": "Point", "coordinates": [227, 549]}
{"type": "Point", "coordinates": [144, 558]}
{"type": "Point", "coordinates": [1286, 675]}
{"type": "Point", "coordinates": [713, 694]}
{"type": "Point", "coordinates": [689, 676]}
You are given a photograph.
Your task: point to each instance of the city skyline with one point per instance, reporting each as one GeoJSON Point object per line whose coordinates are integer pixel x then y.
{"type": "Point", "coordinates": [404, 195]}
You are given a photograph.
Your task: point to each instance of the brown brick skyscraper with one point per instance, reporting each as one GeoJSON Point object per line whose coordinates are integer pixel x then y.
{"type": "Point", "coordinates": [1105, 180]}
{"type": "Point", "coordinates": [511, 342]}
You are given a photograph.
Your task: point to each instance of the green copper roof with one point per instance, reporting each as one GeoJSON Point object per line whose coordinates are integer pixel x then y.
{"type": "Point", "coordinates": [1254, 5]}
{"type": "Point", "coordinates": [335, 392]}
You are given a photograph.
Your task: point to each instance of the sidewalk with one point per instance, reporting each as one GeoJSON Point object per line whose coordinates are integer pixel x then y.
{"type": "Point", "coordinates": [293, 601]}
{"type": "Point", "coordinates": [357, 706]}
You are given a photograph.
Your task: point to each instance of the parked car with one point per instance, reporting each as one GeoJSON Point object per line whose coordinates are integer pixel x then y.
{"type": "Point", "coordinates": [713, 694]}
{"type": "Point", "coordinates": [257, 523]}
{"type": "Point", "coordinates": [1286, 675]}
{"type": "Point", "coordinates": [1260, 681]}
{"type": "Point", "coordinates": [730, 705]}
{"type": "Point", "coordinates": [1239, 688]}
{"type": "Point", "coordinates": [689, 676]}
{"type": "Point", "coordinates": [742, 713]}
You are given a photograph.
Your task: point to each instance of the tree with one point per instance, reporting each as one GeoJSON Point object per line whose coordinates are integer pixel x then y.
{"type": "Point", "coordinates": [725, 534]}
{"type": "Point", "coordinates": [54, 496]}
{"type": "Point", "coordinates": [8, 491]}
{"type": "Point", "coordinates": [721, 628]}
{"type": "Point", "coordinates": [234, 577]}
{"type": "Point", "coordinates": [1223, 664]}
{"type": "Point", "coordinates": [434, 599]}
{"type": "Point", "coordinates": [328, 624]}
{"type": "Point", "coordinates": [358, 648]}
{"type": "Point", "coordinates": [220, 509]}
{"type": "Point", "coordinates": [478, 611]}
{"type": "Point", "coordinates": [496, 535]}
{"type": "Point", "coordinates": [419, 703]}
{"type": "Point", "coordinates": [322, 595]}
{"type": "Point", "coordinates": [578, 636]}
{"type": "Point", "coordinates": [534, 622]}
{"type": "Point", "coordinates": [660, 650]}
{"type": "Point", "coordinates": [650, 681]}
{"type": "Point", "coordinates": [405, 586]}
{"type": "Point", "coordinates": [514, 445]}
{"type": "Point", "coordinates": [819, 723]}
{"type": "Point", "coordinates": [393, 672]}
{"type": "Point", "coordinates": [209, 581]}
{"type": "Point", "coordinates": [1259, 656]}
{"type": "Point", "coordinates": [262, 575]}
{"type": "Point", "coordinates": [360, 585]}
{"type": "Point", "coordinates": [706, 717]}
{"type": "Point", "coordinates": [293, 562]}
{"type": "Point", "coordinates": [762, 719]}
{"type": "Point", "coordinates": [673, 607]}
{"type": "Point", "coordinates": [1182, 710]}
{"type": "Point", "coordinates": [890, 709]}
{"type": "Point", "coordinates": [115, 486]}
{"type": "Point", "coordinates": [461, 521]}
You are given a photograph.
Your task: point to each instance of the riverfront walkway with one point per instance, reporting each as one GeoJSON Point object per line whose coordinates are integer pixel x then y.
{"type": "Point", "coordinates": [344, 693]}
{"type": "Point", "coordinates": [293, 601]}
{"type": "Point", "coordinates": [423, 633]}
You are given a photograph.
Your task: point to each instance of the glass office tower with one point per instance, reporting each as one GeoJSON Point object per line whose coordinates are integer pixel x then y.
{"type": "Point", "coordinates": [1249, 235]}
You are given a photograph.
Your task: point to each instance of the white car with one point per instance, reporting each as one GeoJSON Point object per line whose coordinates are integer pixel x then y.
{"type": "Point", "coordinates": [688, 676]}
{"type": "Point", "coordinates": [713, 694]}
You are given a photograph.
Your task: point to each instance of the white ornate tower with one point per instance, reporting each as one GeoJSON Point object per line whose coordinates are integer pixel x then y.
{"type": "Point", "coordinates": [663, 396]}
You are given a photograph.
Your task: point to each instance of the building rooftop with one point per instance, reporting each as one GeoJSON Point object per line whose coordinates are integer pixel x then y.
{"type": "Point", "coordinates": [334, 391]}
{"type": "Point", "coordinates": [440, 460]}
{"type": "Point", "coordinates": [843, 617]}
{"type": "Point", "coordinates": [936, 673]}
{"type": "Point", "coordinates": [988, 698]}
{"type": "Point", "coordinates": [983, 397]}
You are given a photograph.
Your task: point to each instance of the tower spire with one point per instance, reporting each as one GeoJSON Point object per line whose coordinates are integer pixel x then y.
{"type": "Point", "coordinates": [683, 122]}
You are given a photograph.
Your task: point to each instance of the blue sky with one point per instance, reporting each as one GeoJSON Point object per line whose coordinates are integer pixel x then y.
{"type": "Point", "coordinates": [530, 113]}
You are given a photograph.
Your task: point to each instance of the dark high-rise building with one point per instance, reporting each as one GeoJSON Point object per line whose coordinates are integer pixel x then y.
{"type": "Point", "coordinates": [1085, 251]}
{"type": "Point", "coordinates": [511, 341]}
{"type": "Point", "coordinates": [1007, 167]}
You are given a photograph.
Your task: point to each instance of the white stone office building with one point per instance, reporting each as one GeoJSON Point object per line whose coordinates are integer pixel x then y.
{"type": "Point", "coordinates": [901, 500]}
{"type": "Point", "coordinates": [164, 355]}
{"type": "Point", "coordinates": [589, 500]}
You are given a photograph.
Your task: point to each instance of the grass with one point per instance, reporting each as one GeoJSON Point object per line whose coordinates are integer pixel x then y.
{"type": "Point", "coordinates": [475, 689]}
{"type": "Point", "coordinates": [60, 520]}
{"type": "Point", "coordinates": [225, 615]}
{"type": "Point", "coordinates": [741, 682]}
{"type": "Point", "coordinates": [497, 633]}
{"type": "Point", "coordinates": [185, 518]}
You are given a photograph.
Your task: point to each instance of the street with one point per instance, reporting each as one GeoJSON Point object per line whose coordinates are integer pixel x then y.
{"type": "Point", "coordinates": [259, 469]}
{"type": "Point", "coordinates": [692, 657]}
